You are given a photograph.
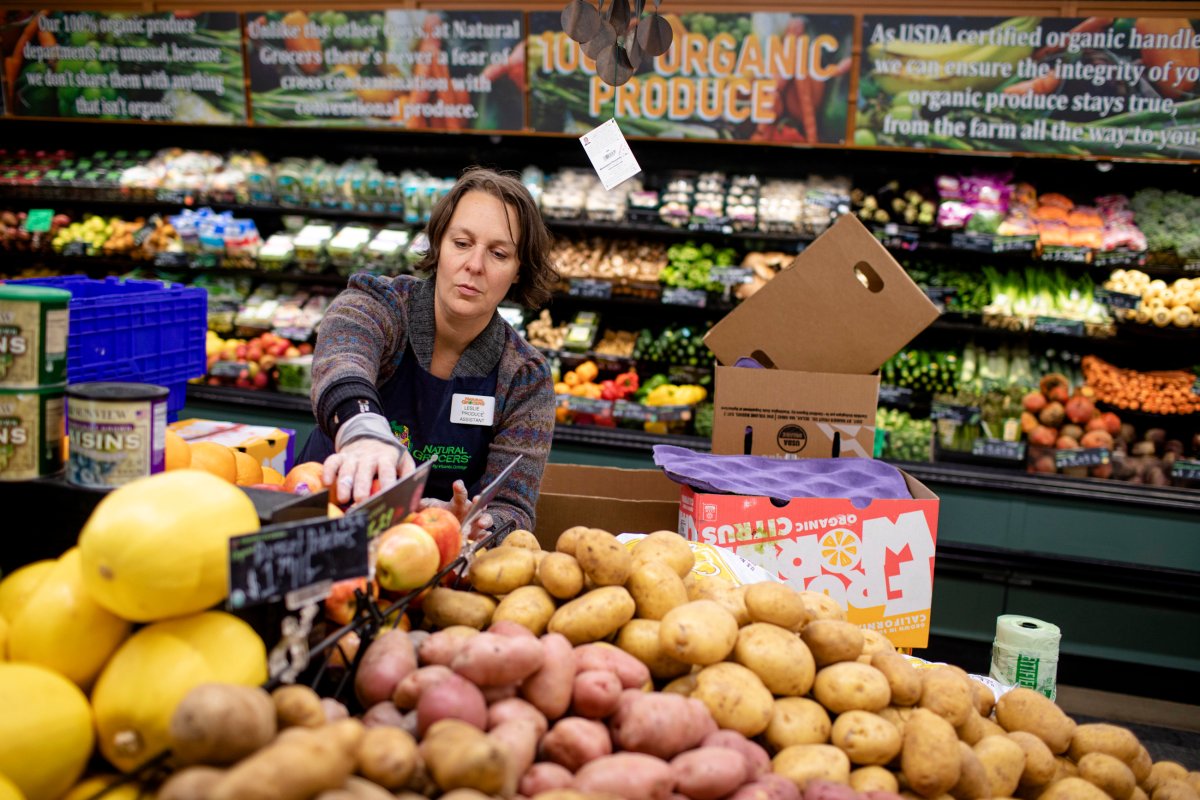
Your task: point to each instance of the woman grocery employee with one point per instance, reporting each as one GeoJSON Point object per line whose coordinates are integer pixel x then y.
{"type": "Point", "coordinates": [407, 367]}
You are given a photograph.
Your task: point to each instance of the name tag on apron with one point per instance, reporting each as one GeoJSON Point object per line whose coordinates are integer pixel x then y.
{"type": "Point", "coordinates": [472, 409]}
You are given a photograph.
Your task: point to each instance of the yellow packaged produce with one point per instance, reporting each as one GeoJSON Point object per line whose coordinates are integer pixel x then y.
{"type": "Point", "coordinates": [46, 729]}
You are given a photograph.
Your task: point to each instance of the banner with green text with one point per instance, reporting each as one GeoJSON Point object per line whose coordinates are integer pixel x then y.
{"type": "Point", "coordinates": [774, 77]}
{"type": "Point", "coordinates": [449, 70]}
{"type": "Point", "coordinates": [169, 67]}
{"type": "Point", "coordinates": [1123, 87]}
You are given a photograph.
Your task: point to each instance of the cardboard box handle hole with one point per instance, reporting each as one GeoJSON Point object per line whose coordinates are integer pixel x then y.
{"type": "Point", "coordinates": [868, 277]}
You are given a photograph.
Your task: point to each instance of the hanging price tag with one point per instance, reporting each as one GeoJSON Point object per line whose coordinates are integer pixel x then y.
{"type": "Point", "coordinates": [171, 261]}
{"type": "Point", "coordinates": [38, 220]}
{"type": "Point", "coordinates": [393, 504]}
{"type": "Point", "coordinates": [609, 153]}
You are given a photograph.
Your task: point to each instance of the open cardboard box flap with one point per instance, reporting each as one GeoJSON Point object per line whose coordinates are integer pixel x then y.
{"type": "Point", "coordinates": [617, 500]}
{"type": "Point", "coordinates": [817, 316]}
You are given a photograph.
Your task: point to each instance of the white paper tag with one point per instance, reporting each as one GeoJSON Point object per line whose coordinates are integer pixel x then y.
{"type": "Point", "coordinates": [609, 153]}
{"type": "Point", "coordinates": [472, 409]}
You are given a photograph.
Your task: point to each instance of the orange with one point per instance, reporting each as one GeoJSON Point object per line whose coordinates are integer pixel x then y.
{"type": "Point", "coordinates": [271, 476]}
{"type": "Point", "coordinates": [179, 452]}
{"type": "Point", "coordinates": [305, 478]}
{"type": "Point", "coordinates": [215, 458]}
{"type": "Point", "coordinates": [249, 471]}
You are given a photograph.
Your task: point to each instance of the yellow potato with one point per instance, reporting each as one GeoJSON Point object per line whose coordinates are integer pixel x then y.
{"type": "Point", "coordinates": [897, 716]}
{"type": "Point", "coordinates": [734, 601]}
{"type": "Point", "coordinates": [803, 763]}
{"type": "Point", "coordinates": [832, 641]}
{"type": "Point", "coordinates": [668, 547]}
{"type": "Point", "coordinates": [903, 679]}
{"type": "Point", "coordinates": [930, 759]}
{"type": "Point", "coordinates": [868, 739]}
{"type": "Point", "coordinates": [973, 729]}
{"type": "Point", "coordinates": [985, 699]}
{"type": "Point", "coordinates": [1066, 768]}
{"type": "Point", "coordinates": [777, 604]}
{"type": "Point", "coordinates": [567, 539]}
{"type": "Point", "coordinates": [777, 656]}
{"type": "Point", "coordinates": [1174, 790]}
{"type": "Point", "coordinates": [822, 606]}
{"type": "Point", "coordinates": [797, 720]}
{"type": "Point", "coordinates": [1072, 789]}
{"type": "Point", "coordinates": [603, 559]}
{"type": "Point", "coordinates": [700, 632]}
{"type": "Point", "coordinates": [446, 607]}
{"type": "Point", "coordinates": [640, 638]}
{"type": "Point", "coordinates": [947, 694]}
{"type": "Point", "coordinates": [972, 777]}
{"type": "Point", "coordinates": [594, 616]}
{"type": "Point", "coordinates": [502, 570]}
{"type": "Point", "coordinates": [1040, 766]}
{"type": "Point", "coordinates": [1024, 709]}
{"type": "Point", "coordinates": [560, 575]}
{"type": "Point", "coordinates": [1004, 761]}
{"type": "Point", "coordinates": [875, 642]}
{"type": "Point", "coordinates": [1118, 742]}
{"type": "Point", "coordinates": [531, 606]}
{"type": "Point", "coordinates": [523, 539]}
{"type": "Point", "coordinates": [656, 589]}
{"type": "Point", "coordinates": [735, 697]}
{"type": "Point", "coordinates": [684, 685]}
{"type": "Point", "coordinates": [850, 686]}
{"type": "Point", "coordinates": [1141, 765]}
{"type": "Point", "coordinates": [873, 779]}
{"type": "Point", "coordinates": [1107, 773]}
{"type": "Point", "coordinates": [1164, 771]}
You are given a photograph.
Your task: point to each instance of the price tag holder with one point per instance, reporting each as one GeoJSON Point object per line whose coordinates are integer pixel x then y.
{"type": "Point", "coordinates": [731, 276]}
{"type": "Point", "coordinates": [590, 288]}
{"type": "Point", "coordinates": [1014, 244]}
{"type": "Point", "coordinates": [940, 295]}
{"type": "Point", "coordinates": [1062, 327]}
{"type": "Point", "coordinates": [678, 296]}
{"type": "Point", "coordinates": [171, 261]}
{"type": "Point", "coordinates": [590, 405]}
{"type": "Point", "coordinates": [1188, 469]}
{"type": "Point", "coordinates": [297, 562]}
{"type": "Point", "coordinates": [75, 249]}
{"type": "Point", "coordinates": [38, 220]}
{"type": "Point", "coordinates": [227, 369]}
{"type": "Point", "coordinates": [963, 415]}
{"type": "Point", "coordinates": [1081, 457]}
{"type": "Point", "coordinates": [899, 237]}
{"type": "Point", "coordinates": [1196, 386]}
{"type": "Point", "coordinates": [205, 261]}
{"type": "Point", "coordinates": [901, 396]}
{"type": "Point", "coordinates": [710, 226]}
{"type": "Point", "coordinates": [999, 449]}
{"type": "Point", "coordinates": [1118, 258]}
{"type": "Point", "coordinates": [609, 153]}
{"type": "Point", "coordinates": [1108, 297]}
{"type": "Point", "coordinates": [173, 196]}
{"type": "Point", "coordinates": [1191, 266]}
{"type": "Point", "coordinates": [1066, 255]}
{"type": "Point", "coordinates": [973, 242]}
{"type": "Point", "coordinates": [393, 504]}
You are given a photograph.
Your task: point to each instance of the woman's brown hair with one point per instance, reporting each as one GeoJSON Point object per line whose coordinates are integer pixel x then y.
{"type": "Point", "coordinates": [536, 276]}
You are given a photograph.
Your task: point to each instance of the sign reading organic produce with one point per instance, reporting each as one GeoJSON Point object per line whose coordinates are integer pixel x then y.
{"type": "Point", "coordinates": [1098, 86]}
{"type": "Point", "coordinates": [772, 77]}
{"type": "Point", "coordinates": [171, 67]}
{"type": "Point", "coordinates": [452, 70]}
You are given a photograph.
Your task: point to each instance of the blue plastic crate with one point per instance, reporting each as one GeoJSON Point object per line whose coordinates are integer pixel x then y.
{"type": "Point", "coordinates": [134, 330]}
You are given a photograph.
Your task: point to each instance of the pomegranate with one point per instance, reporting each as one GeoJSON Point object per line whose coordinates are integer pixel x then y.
{"type": "Point", "coordinates": [1079, 410]}
{"type": "Point", "coordinates": [1097, 439]}
{"type": "Point", "coordinates": [1043, 436]}
{"type": "Point", "coordinates": [1034, 402]}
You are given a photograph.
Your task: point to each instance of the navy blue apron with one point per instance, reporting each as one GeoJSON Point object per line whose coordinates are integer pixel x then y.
{"type": "Point", "coordinates": [418, 404]}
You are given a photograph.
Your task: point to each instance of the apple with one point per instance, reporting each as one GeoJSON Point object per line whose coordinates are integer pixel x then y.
{"type": "Point", "coordinates": [406, 557]}
{"type": "Point", "coordinates": [345, 650]}
{"type": "Point", "coordinates": [445, 529]}
{"type": "Point", "coordinates": [305, 478]}
{"type": "Point", "coordinates": [341, 604]}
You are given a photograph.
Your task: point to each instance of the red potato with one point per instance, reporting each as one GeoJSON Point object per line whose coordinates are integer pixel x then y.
{"type": "Point", "coordinates": [496, 694]}
{"type": "Point", "coordinates": [634, 776]}
{"type": "Point", "coordinates": [758, 761]}
{"type": "Point", "coordinates": [828, 790]}
{"type": "Point", "coordinates": [662, 725]}
{"type": "Point", "coordinates": [442, 646]}
{"type": "Point", "coordinates": [708, 773]}
{"type": "Point", "coordinates": [333, 709]}
{"type": "Point", "coordinates": [387, 661]}
{"type": "Point", "coordinates": [877, 795]}
{"type": "Point", "coordinates": [549, 689]}
{"type": "Point", "coordinates": [453, 698]}
{"type": "Point", "coordinates": [544, 777]}
{"type": "Point", "coordinates": [520, 738]}
{"type": "Point", "coordinates": [409, 690]}
{"type": "Point", "coordinates": [768, 787]}
{"type": "Point", "coordinates": [489, 659]}
{"type": "Point", "coordinates": [575, 741]}
{"type": "Point", "coordinates": [632, 672]}
{"type": "Point", "coordinates": [418, 638]}
{"type": "Point", "coordinates": [597, 693]}
{"type": "Point", "coordinates": [506, 627]}
{"type": "Point", "coordinates": [383, 714]}
{"type": "Point", "coordinates": [516, 708]}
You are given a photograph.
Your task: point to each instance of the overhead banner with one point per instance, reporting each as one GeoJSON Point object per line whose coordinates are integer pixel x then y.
{"type": "Point", "coordinates": [451, 70]}
{"type": "Point", "coordinates": [762, 77]}
{"type": "Point", "coordinates": [170, 67]}
{"type": "Point", "coordinates": [1123, 87]}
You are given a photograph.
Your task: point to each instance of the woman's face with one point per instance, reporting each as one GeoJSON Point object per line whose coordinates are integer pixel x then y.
{"type": "Point", "coordinates": [477, 260]}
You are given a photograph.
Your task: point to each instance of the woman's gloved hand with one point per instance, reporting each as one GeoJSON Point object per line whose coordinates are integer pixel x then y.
{"type": "Point", "coordinates": [350, 472]}
{"type": "Point", "coordinates": [459, 505]}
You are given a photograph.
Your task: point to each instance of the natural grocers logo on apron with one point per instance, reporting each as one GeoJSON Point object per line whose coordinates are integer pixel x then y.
{"type": "Point", "coordinates": [448, 456]}
{"type": "Point", "coordinates": [402, 434]}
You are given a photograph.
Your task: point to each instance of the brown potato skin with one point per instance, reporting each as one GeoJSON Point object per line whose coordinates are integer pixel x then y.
{"type": "Point", "coordinates": [1107, 773]}
{"type": "Point", "coordinates": [777, 604]}
{"type": "Point", "coordinates": [868, 739]}
{"type": "Point", "coordinates": [947, 694]}
{"type": "Point", "coordinates": [849, 686]}
{"type": "Point", "coordinates": [1024, 709]}
{"type": "Point", "coordinates": [1098, 737]}
{"type": "Point", "coordinates": [797, 720]}
{"type": "Point", "coordinates": [804, 763]}
{"type": "Point", "coordinates": [930, 760]}
{"type": "Point", "coordinates": [832, 641]}
{"type": "Point", "coordinates": [1072, 788]}
{"type": "Point", "coordinates": [603, 559]}
{"type": "Point", "coordinates": [777, 656]}
{"type": "Point", "coordinates": [1040, 766]}
{"type": "Point", "coordinates": [1004, 761]}
{"type": "Point", "coordinates": [903, 679]}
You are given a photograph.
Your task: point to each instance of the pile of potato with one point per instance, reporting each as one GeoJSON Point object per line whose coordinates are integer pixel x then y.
{"type": "Point", "coordinates": [540, 683]}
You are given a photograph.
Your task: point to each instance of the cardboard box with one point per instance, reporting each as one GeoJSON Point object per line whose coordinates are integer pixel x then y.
{"type": "Point", "coordinates": [273, 447]}
{"type": "Point", "coordinates": [823, 326]}
{"type": "Point", "coordinates": [618, 500]}
{"type": "Point", "coordinates": [876, 561]}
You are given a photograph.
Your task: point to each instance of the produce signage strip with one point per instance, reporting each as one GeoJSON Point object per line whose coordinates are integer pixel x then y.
{"type": "Point", "coordinates": [443, 70]}
{"type": "Point", "coordinates": [1082, 457]}
{"type": "Point", "coordinates": [999, 448]}
{"type": "Point", "coordinates": [773, 77]}
{"type": "Point", "coordinates": [169, 67]}
{"type": "Point", "coordinates": [1066, 86]}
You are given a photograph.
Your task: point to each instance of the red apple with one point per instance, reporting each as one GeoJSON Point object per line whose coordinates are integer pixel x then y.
{"type": "Point", "coordinates": [341, 604]}
{"type": "Point", "coordinates": [406, 558]}
{"type": "Point", "coordinates": [444, 528]}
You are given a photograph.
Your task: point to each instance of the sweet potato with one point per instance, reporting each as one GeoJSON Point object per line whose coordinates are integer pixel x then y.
{"type": "Point", "coordinates": [757, 762]}
{"type": "Point", "coordinates": [708, 773]}
{"type": "Point", "coordinates": [662, 725]}
{"type": "Point", "coordinates": [387, 660]}
{"type": "Point", "coordinates": [489, 659]}
{"type": "Point", "coordinates": [409, 690]}
{"type": "Point", "coordinates": [190, 783]}
{"type": "Point", "coordinates": [632, 672]}
{"type": "Point", "coordinates": [388, 757]}
{"type": "Point", "coordinates": [297, 704]}
{"type": "Point", "coordinates": [516, 708]}
{"type": "Point", "coordinates": [575, 741]}
{"type": "Point", "coordinates": [453, 698]}
{"type": "Point", "coordinates": [633, 776]}
{"type": "Point", "coordinates": [442, 646]}
{"type": "Point", "coordinates": [543, 777]}
{"type": "Point", "coordinates": [305, 764]}
{"type": "Point", "coordinates": [596, 693]}
{"type": "Point", "coordinates": [549, 689]}
{"type": "Point", "coordinates": [220, 723]}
